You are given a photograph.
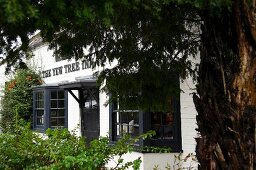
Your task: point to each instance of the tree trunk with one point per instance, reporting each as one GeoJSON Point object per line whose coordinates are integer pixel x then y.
{"type": "Point", "coordinates": [226, 99]}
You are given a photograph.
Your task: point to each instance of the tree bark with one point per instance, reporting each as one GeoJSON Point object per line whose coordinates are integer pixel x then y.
{"type": "Point", "coordinates": [226, 99]}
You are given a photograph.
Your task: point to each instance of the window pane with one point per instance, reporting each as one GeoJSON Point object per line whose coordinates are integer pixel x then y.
{"type": "Point", "coordinates": [157, 128]}
{"type": "Point", "coordinates": [162, 124]}
{"type": "Point", "coordinates": [127, 123]}
{"type": "Point", "coordinates": [54, 121]}
{"type": "Point", "coordinates": [61, 94]}
{"type": "Point", "coordinates": [156, 118]}
{"type": "Point", "coordinates": [133, 116]}
{"type": "Point", "coordinates": [54, 112]}
{"type": "Point", "coordinates": [40, 104]}
{"type": "Point", "coordinates": [87, 103]}
{"type": "Point", "coordinates": [156, 124]}
{"type": "Point", "coordinates": [94, 104]}
{"type": "Point", "coordinates": [61, 104]}
{"type": "Point", "coordinates": [61, 113]}
{"type": "Point", "coordinates": [61, 122]}
{"type": "Point", "coordinates": [115, 106]}
{"type": "Point", "coordinates": [39, 95]}
{"type": "Point", "coordinates": [168, 132]}
{"type": "Point", "coordinates": [53, 103]}
{"type": "Point", "coordinates": [123, 117]}
{"type": "Point", "coordinates": [167, 118]}
{"type": "Point", "coordinates": [39, 113]}
{"type": "Point", "coordinates": [124, 128]}
{"type": "Point", "coordinates": [40, 120]}
{"type": "Point", "coordinates": [136, 131]}
{"type": "Point", "coordinates": [57, 121]}
{"type": "Point", "coordinates": [136, 118]}
{"type": "Point", "coordinates": [53, 94]}
{"type": "Point", "coordinates": [131, 128]}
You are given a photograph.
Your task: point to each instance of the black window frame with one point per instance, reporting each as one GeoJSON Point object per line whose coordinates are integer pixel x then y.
{"type": "Point", "coordinates": [36, 108]}
{"type": "Point", "coordinates": [174, 144]}
{"type": "Point", "coordinates": [126, 126]}
{"type": "Point", "coordinates": [47, 108]}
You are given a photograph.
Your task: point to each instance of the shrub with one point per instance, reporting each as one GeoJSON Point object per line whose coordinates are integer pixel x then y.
{"type": "Point", "coordinates": [17, 100]}
{"type": "Point", "coordinates": [25, 149]}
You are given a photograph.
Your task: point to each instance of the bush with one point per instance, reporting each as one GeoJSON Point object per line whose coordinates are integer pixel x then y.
{"type": "Point", "coordinates": [25, 149]}
{"type": "Point", "coordinates": [17, 100]}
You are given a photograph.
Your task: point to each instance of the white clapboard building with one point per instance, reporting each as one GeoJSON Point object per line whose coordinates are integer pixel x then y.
{"type": "Point", "coordinates": [70, 98]}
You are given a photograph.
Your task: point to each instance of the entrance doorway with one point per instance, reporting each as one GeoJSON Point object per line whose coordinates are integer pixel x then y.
{"type": "Point", "coordinates": [90, 114]}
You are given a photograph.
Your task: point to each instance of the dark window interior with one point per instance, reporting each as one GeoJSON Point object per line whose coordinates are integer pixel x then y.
{"type": "Point", "coordinates": [57, 115]}
{"type": "Point", "coordinates": [162, 124]}
{"type": "Point", "coordinates": [49, 108]}
{"type": "Point", "coordinates": [39, 108]}
{"type": "Point", "coordinates": [135, 122]}
{"type": "Point", "coordinates": [127, 122]}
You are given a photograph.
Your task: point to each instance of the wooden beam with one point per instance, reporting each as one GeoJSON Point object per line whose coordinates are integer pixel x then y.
{"type": "Point", "coordinates": [77, 99]}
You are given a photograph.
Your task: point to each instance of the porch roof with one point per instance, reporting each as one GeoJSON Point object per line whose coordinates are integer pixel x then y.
{"type": "Point", "coordinates": [78, 84]}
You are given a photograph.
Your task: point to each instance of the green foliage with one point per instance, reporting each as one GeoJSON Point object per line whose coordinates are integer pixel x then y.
{"type": "Point", "coordinates": [207, 5]}
{"type": "Point", "coordinates": [149, 39]}
{"type": "Point", "coordinates": [60, 149]}
{"type": "Point", "coordinates": [17, 100]}
{"type": "Point", "coordinates": [17, 23]}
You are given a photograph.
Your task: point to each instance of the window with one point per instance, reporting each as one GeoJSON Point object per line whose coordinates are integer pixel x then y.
{"type": "Point", "coordinates": [39, 108]}
{"type": "Point", "coordinates": [127, 120]}
{"type": "Point", "coordinates": [166, 125]}
{"type": "Point", "coordinates": [135, 122]}
{"type": "Point", "coordinates": [162, 124]}
{"type": "Point", "coordinates": [49, 108]}
{"type": "Point", "coordinates": [57, 110]}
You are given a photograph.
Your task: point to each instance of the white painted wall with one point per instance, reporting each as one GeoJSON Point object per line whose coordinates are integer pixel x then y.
{"type": "Point", "coordinates": [104, 115]}
{"type": "Point", "coordinates": [74, 118]}
{"type": "Point", "coordinates": [43, 59]}
{"type": "Point", "coordinates": [188, 116]}
{"type": "Point", "coordinates": [188, 133]}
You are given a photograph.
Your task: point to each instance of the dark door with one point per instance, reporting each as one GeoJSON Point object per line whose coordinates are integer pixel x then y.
{"type": "Point", "coordinates": [90, 118]}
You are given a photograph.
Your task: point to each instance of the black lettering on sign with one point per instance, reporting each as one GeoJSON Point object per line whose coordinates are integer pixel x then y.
{"type": "Point", "coordinates": [57, 71]}
{"type": "Point", "coordinates": [72, 67]}
{"type": "Point", "coordinates": [86, 64]}
{"type": "Point", "coordinates": [68, 68]}
{"type": "Point", "coordinates": [46, 73]}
